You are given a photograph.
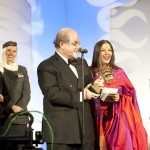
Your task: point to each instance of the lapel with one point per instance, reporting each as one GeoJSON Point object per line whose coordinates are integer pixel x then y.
{"type": "Point", "coordinates": [65, 69]}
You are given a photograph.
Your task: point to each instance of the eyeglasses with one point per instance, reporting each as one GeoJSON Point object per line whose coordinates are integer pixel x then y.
{"type": "Point", "coordinates": [76, 43]}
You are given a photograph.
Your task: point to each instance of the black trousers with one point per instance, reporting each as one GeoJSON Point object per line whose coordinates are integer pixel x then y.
{"type": "Point", "coordinates": [87, 146]}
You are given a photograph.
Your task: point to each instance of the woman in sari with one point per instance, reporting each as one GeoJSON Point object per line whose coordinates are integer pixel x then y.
{"type": "Point", "coordinates": [117, 118]}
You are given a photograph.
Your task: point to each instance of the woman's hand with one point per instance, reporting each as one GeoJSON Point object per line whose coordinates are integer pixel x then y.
{"type": "Point", "coordinates": [1, 98]}
{"type": "Point", "coordinates": [113, 97]}
{"type": "Point", "coordinates": [16, 108]}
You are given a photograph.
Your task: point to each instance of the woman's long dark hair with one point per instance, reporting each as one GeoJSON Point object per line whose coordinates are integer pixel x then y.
{"type": "Point", "coordinates": [96, 55]}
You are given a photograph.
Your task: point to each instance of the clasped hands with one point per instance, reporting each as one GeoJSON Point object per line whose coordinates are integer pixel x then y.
{"type": "Point", "coordinates": [16, 108]}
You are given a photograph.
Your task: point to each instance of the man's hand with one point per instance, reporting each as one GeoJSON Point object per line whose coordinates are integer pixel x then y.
{"type": "Point", "coordinates": [88, 94]}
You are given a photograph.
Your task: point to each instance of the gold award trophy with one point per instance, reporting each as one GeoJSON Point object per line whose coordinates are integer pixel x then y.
{"type": "Point", "coordinates": [95, 88]}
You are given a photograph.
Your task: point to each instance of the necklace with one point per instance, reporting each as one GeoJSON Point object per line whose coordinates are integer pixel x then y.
{"type": "Point", "coordinates": [107, 74]}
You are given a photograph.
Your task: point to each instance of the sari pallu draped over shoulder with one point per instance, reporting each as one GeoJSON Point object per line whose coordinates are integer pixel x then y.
{"type": "Point", "coordinates": [118, 125]}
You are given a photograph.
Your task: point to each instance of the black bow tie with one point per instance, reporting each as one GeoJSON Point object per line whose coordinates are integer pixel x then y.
{"type": "Point", "coordinates": [72, 61]}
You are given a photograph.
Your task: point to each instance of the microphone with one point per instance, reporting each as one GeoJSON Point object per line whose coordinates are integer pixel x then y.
{"type": "Point", "coordinates": [82, 50]}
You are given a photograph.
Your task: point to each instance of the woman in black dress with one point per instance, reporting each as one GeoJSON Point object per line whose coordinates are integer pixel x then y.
{"type": "Point", "coordinates": [16, 79]}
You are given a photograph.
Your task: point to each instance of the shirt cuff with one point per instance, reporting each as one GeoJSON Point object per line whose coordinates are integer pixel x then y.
{"type": "Point", "coordinates": [80, 96]}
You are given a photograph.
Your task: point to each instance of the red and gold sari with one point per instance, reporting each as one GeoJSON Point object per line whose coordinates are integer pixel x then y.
{"type": "Point", "coordinates": [118, 125]}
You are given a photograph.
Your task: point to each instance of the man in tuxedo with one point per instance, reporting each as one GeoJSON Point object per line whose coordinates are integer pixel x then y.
{"type": "Point", "coordinates": [61, 85]}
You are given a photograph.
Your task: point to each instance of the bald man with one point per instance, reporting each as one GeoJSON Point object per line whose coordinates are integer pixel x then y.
{"type": "Point", "coordinates": [61, 85]}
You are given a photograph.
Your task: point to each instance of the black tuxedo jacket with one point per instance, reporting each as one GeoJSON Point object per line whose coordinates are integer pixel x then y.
{"type": "Point", "coordinates": [62, 105]}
